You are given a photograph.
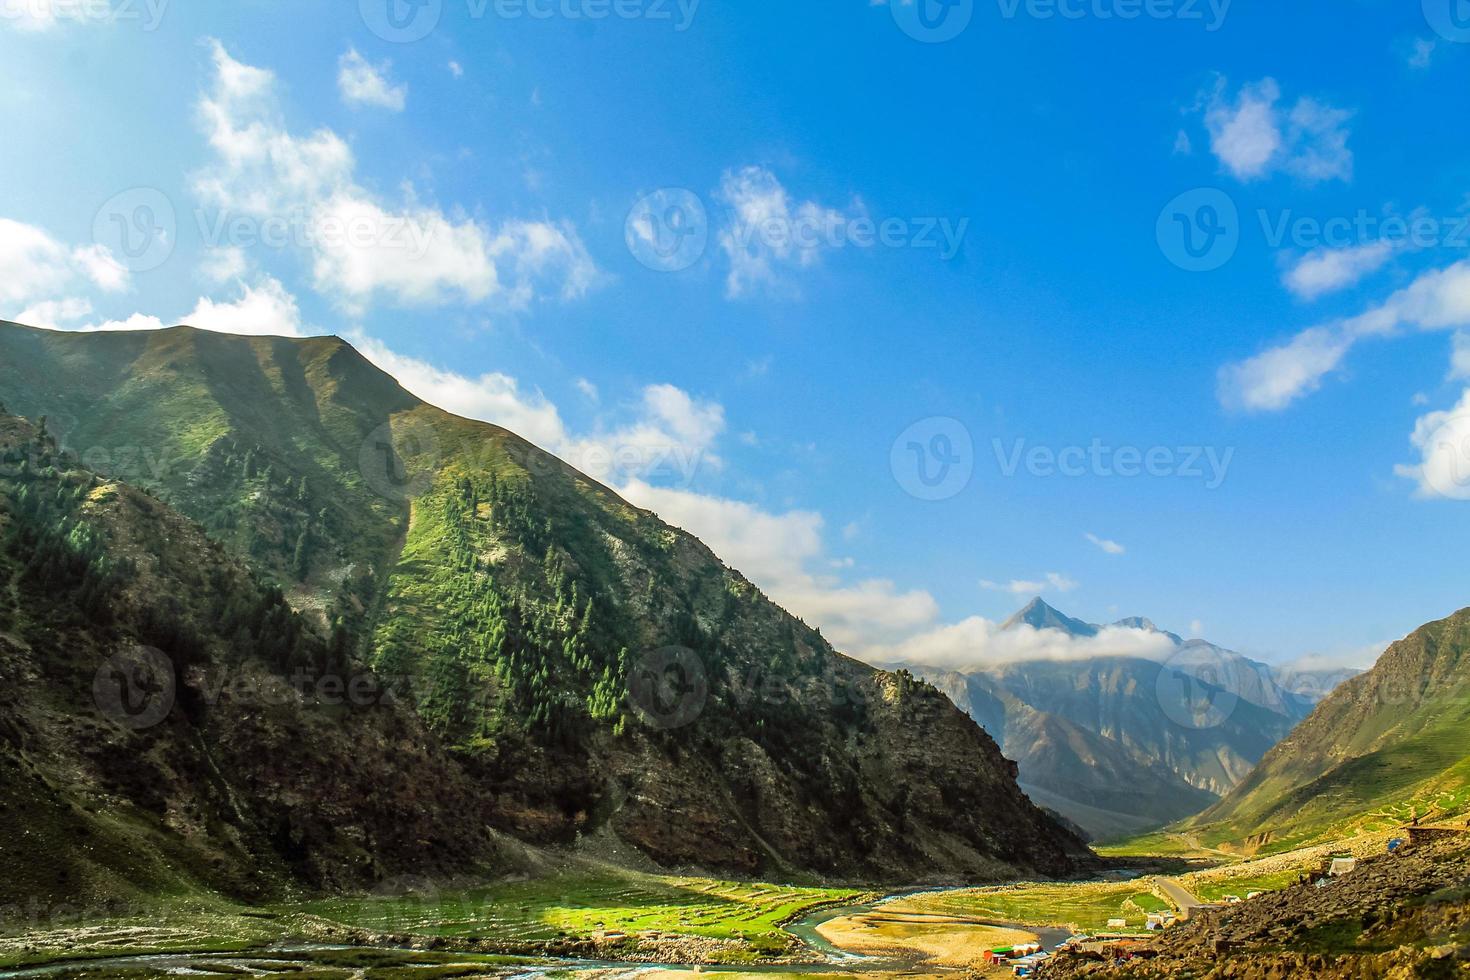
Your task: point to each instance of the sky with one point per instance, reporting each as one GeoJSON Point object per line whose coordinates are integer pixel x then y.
{"type": "Point", "coordinates": [912, 311]}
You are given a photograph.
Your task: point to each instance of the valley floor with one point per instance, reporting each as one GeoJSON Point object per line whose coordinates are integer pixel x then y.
{"type": "Point", "coordinates": [605, 923]}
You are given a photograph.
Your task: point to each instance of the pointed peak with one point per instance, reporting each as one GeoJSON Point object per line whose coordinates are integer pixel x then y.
{"type": "Point", "coordinates": [1038, 614]}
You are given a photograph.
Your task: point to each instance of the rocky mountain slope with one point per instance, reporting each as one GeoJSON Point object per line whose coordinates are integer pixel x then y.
{"type": "Point", "coordinates": [1385, 747]}
{"type": "Point", "coordinates": [1401, 915]}
{"type": "Point", "coordinates": [515, 603]}
{"type": "Point", "coordinates": [1121, 744]}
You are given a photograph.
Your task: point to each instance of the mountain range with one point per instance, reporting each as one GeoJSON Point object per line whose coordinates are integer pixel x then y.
{"type": "Point", "coordinates": [548, 665]}
{"type": "Point", "coordinates": [1124, 744]}
{"type": "Point", "coordinates": [1386, 748]}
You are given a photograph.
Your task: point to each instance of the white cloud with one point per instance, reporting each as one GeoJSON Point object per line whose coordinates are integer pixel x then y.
{"type": "Point", "coordinates": [1275, 378]}
{"type": "Point", "coordinates": [51, 313]}
{"type": "Point", "coordinates": [222, 265]}
{"type": "Point", "coordinates": [1051, 582]}
{"type": "Point", "coordinates": [363, 83]}
{"type": "Point", "coordinates": [978, 642]}
{"type": "Point", "coordinates": [1110, 547]}
{"type": "Point", "coordinates": [669, 435]}
{"type": "Point", "coordinates": [588, 390]}
{"type": "Point", "coordinates": [766, 233]}
{"type": "Point", "coordinates": [456, 69]}
{"type": "Point", "coordinates": [491, 397]}
{"type": "Point", "coordinates": [1443, 442]}
{"type": "Point", "coordinates": [265, 309]}
{"type": "Point", "coordinates": [778, 553]}
{"type": "Point", "coordinates": [38, 267]}
{"type": "Point", "coordinates": [1422, 54]}
{"type": "Point", "coordinates": [1253, 137]}
{"type": "Point", "coordinates": [1328, 270]}
{"type": "Point", "coordinates": [363, 248]}
{"type": "Point", "coordinates": [1460, 357]}
{"type": "Point", "coordinates": [35, 16]}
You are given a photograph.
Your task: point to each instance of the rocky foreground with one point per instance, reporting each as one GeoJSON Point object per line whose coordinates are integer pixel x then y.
{"type": "Point", "coordinates": [1397, 916]}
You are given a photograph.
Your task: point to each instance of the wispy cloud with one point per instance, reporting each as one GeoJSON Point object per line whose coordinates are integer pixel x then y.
{"type": "Point", "coordinates": [1110, 547]}
{"type": "Point", "coordinates": [1253, 136]}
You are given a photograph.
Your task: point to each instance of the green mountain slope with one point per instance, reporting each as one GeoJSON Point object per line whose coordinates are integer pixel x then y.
{"type": "Point", "coordinates": [163, 728]}
{"type": "Point", "coordinates": [1385, 747]}
{"type": "Point", "coordinates": [513, 602]}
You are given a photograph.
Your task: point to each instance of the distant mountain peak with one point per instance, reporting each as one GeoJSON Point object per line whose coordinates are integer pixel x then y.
{"type": "Point", "coordinates": [1039, 615]}
{"type": "Point", "coordinates": [1148, 626]}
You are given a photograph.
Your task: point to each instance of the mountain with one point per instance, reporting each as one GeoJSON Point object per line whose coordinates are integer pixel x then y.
{"type": "Point", "coordinates": [1385, 747]}
{"type": "Point", "coordinates": [588, 671]}
{"type": "Point", "coordinates": [1121, 744]}
{"type": "Point", "coordinates": [1038, 615]}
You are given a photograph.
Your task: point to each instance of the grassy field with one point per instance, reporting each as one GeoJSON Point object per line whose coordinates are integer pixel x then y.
{"type": "Point", "coordinates": [746, 918]}
{"type": "Point", "coordinates": [1082, 906]}
{"type": "Point", "coordinates": [579, 906]}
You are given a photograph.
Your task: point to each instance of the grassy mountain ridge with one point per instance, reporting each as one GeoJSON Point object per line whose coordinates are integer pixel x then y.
{"type": "Point", "coordinates": [1386, 746]}
{"type": "Point", "coordinates": [512, 600]}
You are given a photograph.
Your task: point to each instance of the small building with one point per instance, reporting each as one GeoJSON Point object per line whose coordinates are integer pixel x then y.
{"type": "Point", "coordinates": [1155, 922]}
{"type": "Point", "coordinates": [1342, 866]}
{"type": "Point", "coordinates": [1117, 923]}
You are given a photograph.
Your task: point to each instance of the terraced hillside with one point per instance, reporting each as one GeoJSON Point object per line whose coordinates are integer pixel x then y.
{"type": "Point", "coordinates": [513, 602]}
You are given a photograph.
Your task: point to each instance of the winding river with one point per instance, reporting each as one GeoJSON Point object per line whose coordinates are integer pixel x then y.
{"type": "Point", "coordinates": [809, 930]}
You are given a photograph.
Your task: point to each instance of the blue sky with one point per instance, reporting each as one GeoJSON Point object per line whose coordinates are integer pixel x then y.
{"type": "Point", "coordinates": [965, 255]}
